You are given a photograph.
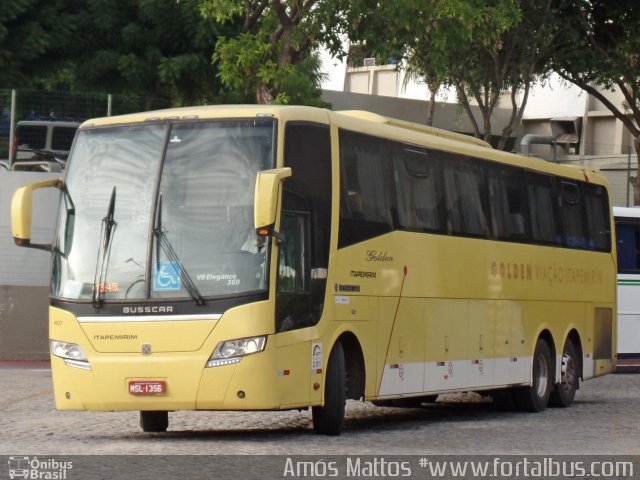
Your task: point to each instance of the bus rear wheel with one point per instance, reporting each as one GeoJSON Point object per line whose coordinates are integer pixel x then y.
{"type": "Point", "coordinates": [328, 419]}
{"type": "Point", "coordinates": [154, 421]}
{"type": "Point", "coordinates": [536, 397]}
{"type": "Point", "coordinates": [565, 391]}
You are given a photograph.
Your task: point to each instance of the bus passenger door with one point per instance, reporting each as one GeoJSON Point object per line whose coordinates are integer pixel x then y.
{"type": "Point", "coordinates": [293, 309]}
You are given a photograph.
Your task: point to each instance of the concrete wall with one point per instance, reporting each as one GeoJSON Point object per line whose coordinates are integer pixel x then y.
{"type": "Point", "coordinates": [618, 179]}
{"type": "Point", "coordinates": [447, 115]}
{"type": "Point", "coordinates": [25, 273]}
{"type": "Point", "coordinates": [24, 323]}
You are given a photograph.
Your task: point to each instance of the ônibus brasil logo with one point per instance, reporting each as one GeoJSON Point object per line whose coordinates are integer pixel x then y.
{"type": "Point", "coordinates": [33, 468]}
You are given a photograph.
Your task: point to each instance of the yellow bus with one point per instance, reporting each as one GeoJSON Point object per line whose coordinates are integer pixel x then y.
{"type": "Point", "coordinates": [277, 258]}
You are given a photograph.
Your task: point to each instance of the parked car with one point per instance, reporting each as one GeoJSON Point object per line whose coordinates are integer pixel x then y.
{"type": "Point", "coordinates": [42, 145]}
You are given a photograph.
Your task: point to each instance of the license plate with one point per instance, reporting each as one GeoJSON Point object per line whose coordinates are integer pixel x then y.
{"type": "Point", "coordinates": [147, 387]}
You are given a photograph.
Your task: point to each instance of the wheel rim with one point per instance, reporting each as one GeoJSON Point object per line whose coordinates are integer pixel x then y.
{"type": "Point", "coordinates": [543, 376]}
{"type": "Point", "coordinates": [568, 373]}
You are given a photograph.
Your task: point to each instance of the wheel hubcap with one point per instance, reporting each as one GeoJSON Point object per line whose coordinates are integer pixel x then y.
{"type": "Point", "coordinates": [568, 373]}
{"type": "Point", "coordinates": [543, 376]}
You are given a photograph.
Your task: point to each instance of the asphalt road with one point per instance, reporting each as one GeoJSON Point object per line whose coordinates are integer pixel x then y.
{"type": "Point", "coordinates": [604, 420]}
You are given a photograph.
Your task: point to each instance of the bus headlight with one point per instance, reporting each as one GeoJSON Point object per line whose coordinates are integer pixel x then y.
{"type": "Point", "coordinates": [231, 351]}
{"type": "Point", "coordinates": [71, 353]}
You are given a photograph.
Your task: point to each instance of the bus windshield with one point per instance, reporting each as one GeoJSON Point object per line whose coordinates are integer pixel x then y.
{"type": "Point", "coordinates": [163, 211]}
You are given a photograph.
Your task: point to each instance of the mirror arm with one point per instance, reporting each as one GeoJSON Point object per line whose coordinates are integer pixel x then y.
{"type": "Point", "coordinates": [280, 237]}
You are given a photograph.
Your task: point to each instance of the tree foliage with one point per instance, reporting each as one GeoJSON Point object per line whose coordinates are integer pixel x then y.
{"type": "Point", "coordinates": [482, 48]}
{"type": "Point", "coordinates": [31, 33]}
{"type": "Point", "coordinates": [600, 46]}
{"type": "Point", "coordinates": [273, 56]}
{"type": "Point", "coordinates": [153, 48]}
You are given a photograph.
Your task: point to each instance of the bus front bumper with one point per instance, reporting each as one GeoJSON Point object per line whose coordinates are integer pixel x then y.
{"type": "Point", "coordinates": [189, 385]}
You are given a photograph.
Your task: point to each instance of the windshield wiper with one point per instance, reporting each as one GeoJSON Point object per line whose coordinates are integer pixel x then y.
{"type": "Point", "coordinates": [163, 244]}
{"type": "Point", "coordinates": [104, 250]}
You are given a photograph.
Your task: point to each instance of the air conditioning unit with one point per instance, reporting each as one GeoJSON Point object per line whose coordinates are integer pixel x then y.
{"type": "Point", "coordinates": [369, 62]}
{"type": "Point", "coordinates": [566, 131]}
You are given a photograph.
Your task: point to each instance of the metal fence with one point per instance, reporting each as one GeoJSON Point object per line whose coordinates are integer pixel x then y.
{"type": "Point", "coordinates": [21, 105]}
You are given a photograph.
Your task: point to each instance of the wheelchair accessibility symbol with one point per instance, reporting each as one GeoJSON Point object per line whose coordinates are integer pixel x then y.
{"type": "Point", "coordinates": [167, 277]}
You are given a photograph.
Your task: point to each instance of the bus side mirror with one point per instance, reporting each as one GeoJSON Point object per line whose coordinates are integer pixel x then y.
{"type": "Point", "coordinates": [22, 209]}
{"type": "Point", "coordinates": [266, 198]}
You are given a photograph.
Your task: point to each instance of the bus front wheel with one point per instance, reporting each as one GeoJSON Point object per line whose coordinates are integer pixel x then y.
{"type": "Point", "coordinates": [565, 391]}
{"type": "Point", "coordinates": [154, 421]}
{"type": "Point", "coordinates": [536, 397]}
{"type": "Point", "coordinates": [328, 419]}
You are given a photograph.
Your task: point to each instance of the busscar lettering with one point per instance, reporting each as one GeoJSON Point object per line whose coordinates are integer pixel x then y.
{"type": "Point", "coordinates": [147, 309]}
{"type": "Point", "coordinates": [115, 337]}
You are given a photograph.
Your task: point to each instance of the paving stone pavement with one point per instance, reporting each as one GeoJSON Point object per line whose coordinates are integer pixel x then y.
{"type": "Point", "coordinates": [605, 419]}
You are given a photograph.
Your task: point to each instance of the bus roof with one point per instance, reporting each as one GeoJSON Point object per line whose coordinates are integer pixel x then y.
{"type": "Point", "coordinates": [416, 127]}
{"type": "Point", "coordinates": [361, 121]}
{"type": "Point", "coordinates": [209, 112]}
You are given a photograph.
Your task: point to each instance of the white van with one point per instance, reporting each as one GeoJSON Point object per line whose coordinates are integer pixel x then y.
{"type": "Point", "coordinates": [42, 145]}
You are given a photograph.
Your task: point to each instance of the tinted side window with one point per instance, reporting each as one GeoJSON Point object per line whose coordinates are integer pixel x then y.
{"type": "Point", "coordinates": [419, 199]}
{"type": "Point", "coordinates": [571, 214]}
{"type": "Point", "coordinates": [34, 137]}
{"type": "Point", "coordinates": [509, 204]}
{"type": "Point", "coordinates": [542, 203]}
{"type": "Point", "coordinates": [464, 197]}
{"type": "Point", "coordinates": [596, 204]}
{"type": "Point", "coordinates": [367, 197]}
{"type": "Point", "coordinates": [62, 137]}
{"type": "Point", "coordinates": [628, 237]}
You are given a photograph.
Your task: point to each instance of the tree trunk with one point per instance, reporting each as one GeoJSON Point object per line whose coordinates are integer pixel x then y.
{"type": "Point", "coordinates": [486, 113]}
{"type": "Point", "coordinates": [149, 100]}
{"type": "Point", "coordinates": [433, 89]}
{"type": "Point", "coordinates": [263, 94]}
{"type": "Point", "coordinates": [635, 181]}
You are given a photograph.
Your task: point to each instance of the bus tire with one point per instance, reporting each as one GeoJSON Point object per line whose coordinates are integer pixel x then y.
{"type": "Point", "coordinates": [536, 397]}
{"type": "Point", "coordinates": [328, 419]}
{"type": "Point", "coordinates": [154, 421]}
{"type": "Point", "coordinates": [565, 391]}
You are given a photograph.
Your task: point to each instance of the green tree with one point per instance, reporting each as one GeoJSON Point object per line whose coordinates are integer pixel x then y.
{"type": "Point", "coordinates": [33, 34]}
{"type": "Point", "coordinates": [152, 48]}
{"type": "Point", "coordinates": [272, 58]}
{"type": "Point", "coordinates": [600, 48]}
{"type": "Point", "coordinates": [482, 48]}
